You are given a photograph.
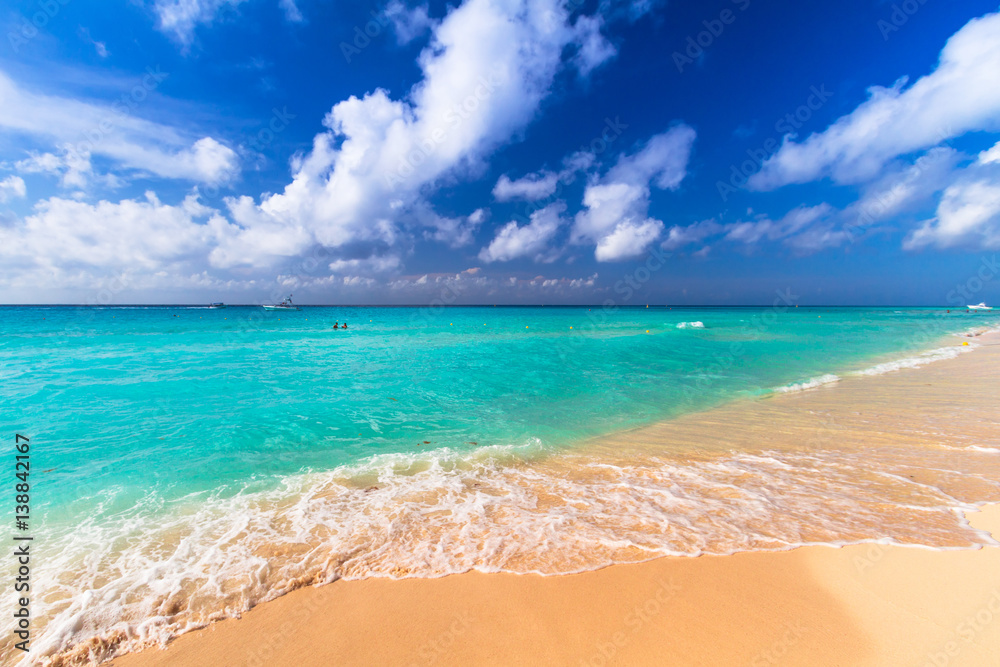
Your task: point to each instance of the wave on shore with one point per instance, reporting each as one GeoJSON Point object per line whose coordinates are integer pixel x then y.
{"type": "Point", "coordinates": [126, 581]}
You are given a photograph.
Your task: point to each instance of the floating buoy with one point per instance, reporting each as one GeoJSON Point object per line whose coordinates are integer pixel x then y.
{"type": "Point", "coordinates": [571, 327]}
{"type": "Point", "coordinates": [965, 343]}
{"type": "Point", "coordinates": [647, 330]}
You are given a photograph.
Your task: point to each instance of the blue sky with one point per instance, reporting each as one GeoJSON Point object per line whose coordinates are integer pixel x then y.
{"type": "Point", "coordinates": [499, 151]}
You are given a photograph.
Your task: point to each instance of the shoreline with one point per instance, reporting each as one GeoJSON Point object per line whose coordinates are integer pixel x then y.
{"type": "Point", "coordinates": [879, 618]}
{"type": "Point", "coordinates": [869, 604]}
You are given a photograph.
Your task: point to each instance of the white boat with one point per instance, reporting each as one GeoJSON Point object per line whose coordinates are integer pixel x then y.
{"type": "Point", "coordinates": [284, 305]}
{"type": "Point", "coordinates": [981, 306]}
{"type": "Point", "coordinates": [217, 305]}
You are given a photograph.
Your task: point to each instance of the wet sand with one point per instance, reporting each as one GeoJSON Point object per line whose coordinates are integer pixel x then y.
{"type": "Point", "coordinates": [866, 604]}
{"type": "Point", "coordinates": [858, 605]}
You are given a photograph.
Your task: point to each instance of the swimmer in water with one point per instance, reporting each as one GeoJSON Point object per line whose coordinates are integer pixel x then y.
{"type": "Point", "coordinates": [345, 326]}
{"type": "Point", "coordinates": [335, 325]}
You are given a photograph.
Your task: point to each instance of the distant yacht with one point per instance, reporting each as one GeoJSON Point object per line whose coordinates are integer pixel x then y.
{"type": "Point", "coordinates": [217, 305]}
{"type": "Point", "coordinates": [981, 306]}
{"type": "Point", "coordinates": [284, 305]}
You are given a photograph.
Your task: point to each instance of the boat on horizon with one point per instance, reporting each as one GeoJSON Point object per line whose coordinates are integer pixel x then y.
{"type": "Point", "coordinates": [284, 305]}
{"type": "Point", "coordinates": [217, 305]}
{"type": "Point", "coordinates": [981, 306]}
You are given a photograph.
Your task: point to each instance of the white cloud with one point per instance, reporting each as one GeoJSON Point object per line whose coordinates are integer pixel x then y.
{"type": "Point", "coordinates": [72, 168]}
{"type": "Point", "coordinates": [82, 129]}
{"type": "Point", "coordinates": [359, 196]}
{"type": "Point", "coordinates": [542, 184]}
{"type": "Point", "coordinates": [64, 237]}
{"type": "Point", "coordinates": [487, 68]}
{"type": "Point", "coordinates": [969, 211]}
{"type": "Point", "coordinates": [805, 229]}
{"type": "Point", "coordinates": [10, 188]}
{"type": "Point", "coordinates": [532, 240]}
{"type": "Point", "coordinates": [384, 264]}
{"type": "Point", "coordinates": [452, 231]}
{"type": "Point", "coordinates": [99, 47]}
{"type": "Point", "coordinates": [179, 18]}
{"type": "Point", "coordinates": [904, 187]}
{"type": "Point", "coordinates": [292, 12]}
{"type": "Point", "coordinates": [615, 217]}
{"type": "Point", "coordinates": [961, 95]}
{"type": "Point", "coordinates": [990, 156]}
{"type": "Point", "coordinates": [678, 236]}
{"type": "Point", "coordinates": [593, 49]}
{"type": "Point", "coordinates": [629, 238]}
{"type": "Point", "coordinates": [793, 222]}
{"type": "Point", "coordinates": [530, 188]}
{"type": "Point", "coordinates": [409, 23]}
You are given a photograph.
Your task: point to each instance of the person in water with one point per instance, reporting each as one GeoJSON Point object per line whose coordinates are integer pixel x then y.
{"type": "Point", "coordinates": [335, 325]}
{"type": "Point", "coordinates": [345, 326]}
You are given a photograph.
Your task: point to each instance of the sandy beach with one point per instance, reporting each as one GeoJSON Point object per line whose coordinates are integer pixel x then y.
{"type": "Point", "coordinates": [858, 605]}
{"type": "Point", "coordinates": [864, 604]}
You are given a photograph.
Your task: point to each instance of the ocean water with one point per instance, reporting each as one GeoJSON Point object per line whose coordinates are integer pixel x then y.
{"type": "Point", "coordinates": [189, 463]}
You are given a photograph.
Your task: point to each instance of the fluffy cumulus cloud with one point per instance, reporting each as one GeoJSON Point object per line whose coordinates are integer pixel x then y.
{"type": "Point", "coordinates": [968, 213]}
{"type": "Point", "coordinates": [65, 240]}
{"type": "Point", "coordinates": [487, 67]}
{"type": "Point", "coordinates": [616, 205]}
{"type": "Point", "coordinates": [360, 195]}
{"type": "Point", "coordinates": [961, 95]}
{"type": "Point", "coordinates": [531, 240]}
{"type": "Point", "coordinates": [78, 130]}
{"type": "Point", "coordinates": [11, 187]}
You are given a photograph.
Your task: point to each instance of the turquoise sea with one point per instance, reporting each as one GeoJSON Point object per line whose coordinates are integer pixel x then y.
{"type": "Point", "coordinates": [187, 463]}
